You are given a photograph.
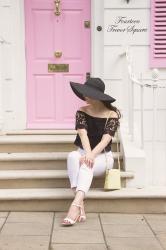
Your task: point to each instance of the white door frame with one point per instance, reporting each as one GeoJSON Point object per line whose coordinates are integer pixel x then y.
{"type": "Point", "coordinates": [97, 38]}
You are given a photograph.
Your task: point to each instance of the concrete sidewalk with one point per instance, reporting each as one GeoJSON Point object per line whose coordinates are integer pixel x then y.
{"type": "Point", "coordinates": [101, 231]}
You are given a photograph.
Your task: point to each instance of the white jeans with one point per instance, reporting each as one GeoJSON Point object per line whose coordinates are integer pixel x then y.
{"type": "Point", "coordinates": [81, 176]}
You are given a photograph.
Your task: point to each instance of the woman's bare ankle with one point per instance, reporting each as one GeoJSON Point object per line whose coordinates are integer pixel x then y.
{"type": "Point", "coordinates": [74, 191]}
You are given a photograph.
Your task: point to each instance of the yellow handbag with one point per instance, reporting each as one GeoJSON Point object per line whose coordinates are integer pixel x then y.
{"type": "Point", "coordinates": [112, 176]}
{"type": "Point", "coordinates": [112, 179]}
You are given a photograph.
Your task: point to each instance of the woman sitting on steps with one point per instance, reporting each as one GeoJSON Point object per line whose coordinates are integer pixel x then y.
{"type": "Point", "coordinates": [92, 138]}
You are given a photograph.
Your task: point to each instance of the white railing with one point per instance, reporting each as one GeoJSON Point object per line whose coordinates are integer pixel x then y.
{"type": "Point", "coordinates": [154, 85]}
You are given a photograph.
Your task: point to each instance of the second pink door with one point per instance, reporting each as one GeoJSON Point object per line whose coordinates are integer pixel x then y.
{"type": "Point", "coordinates": [57, 52]}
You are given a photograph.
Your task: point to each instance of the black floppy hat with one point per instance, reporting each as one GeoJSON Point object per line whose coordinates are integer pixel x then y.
{"type": "Point", "coordinates": [93, 88]}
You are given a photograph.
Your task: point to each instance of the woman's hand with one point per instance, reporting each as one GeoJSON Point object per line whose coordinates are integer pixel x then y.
{"type": "Point", "coordinates": [82, 159]}
{"type": "Point", "coordinates": [88, 159]}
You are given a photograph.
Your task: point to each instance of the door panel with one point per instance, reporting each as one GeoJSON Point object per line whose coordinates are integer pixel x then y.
{"type": "Point", "coordinates": [44, 90]}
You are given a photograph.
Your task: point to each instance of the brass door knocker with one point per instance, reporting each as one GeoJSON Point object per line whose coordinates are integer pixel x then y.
{"type": "Point", "coordinates": [57, 11]}
{"type": "Point", "coordinates": [58, 54]}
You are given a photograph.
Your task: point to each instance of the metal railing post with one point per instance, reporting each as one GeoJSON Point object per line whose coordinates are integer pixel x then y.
{"type": "Point", "coordinates": [130, 95]}
{"type": "Point", "coordinates": [154, 128]}
{"type": "Point", "coordinates": [155, 75]}
{"type": "Point", "coordinates": [142, 114]}
{"type": "Point", "coordinates": [132, 111]}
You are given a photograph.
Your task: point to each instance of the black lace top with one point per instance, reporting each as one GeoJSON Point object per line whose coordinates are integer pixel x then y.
{"type": "Point", "coordinates": [95, 127]}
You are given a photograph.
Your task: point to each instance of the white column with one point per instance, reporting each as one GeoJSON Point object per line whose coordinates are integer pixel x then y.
{"type": "Point", "coordinates": [1, 109]}
{"type": "Point", "coordinates": [1, 78]}
{"type": "Point", "coordinates": [14, 76]}
{"type": "Point", "coordinates": [97, 38]}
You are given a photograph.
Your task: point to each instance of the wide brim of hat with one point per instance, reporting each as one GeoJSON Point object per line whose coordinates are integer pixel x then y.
{"type": "Point", "coordinates": [82, 90]}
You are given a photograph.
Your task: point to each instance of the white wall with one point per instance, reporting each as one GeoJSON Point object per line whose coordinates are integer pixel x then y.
{"type": "Point", "coordinates": [115, 42]}
{"type": "Point", "coordinates": [13, 115]}
{"type": "Point", "coordinates": [115, 75]}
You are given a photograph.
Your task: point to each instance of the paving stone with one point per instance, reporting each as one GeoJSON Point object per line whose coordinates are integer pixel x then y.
{"type": "Point", "coordinates": [60, 214]}
{"type": "Point", "coordinates": [78, 247]}
{"type": "Point", "coordinates": [31, 231]}
{"type": "Point", "coordinates": [11, 242]}
{"type": "Point", "coordinates": [155, 216]}
{"type": "Point", "coordinates": [3, 214]}
{"type": "Point", "coordinates": [77, 236]}
{"type": "Point", "coordinates": [157, 223]}
{"type": "Point", "coordinates": [2, 221]}
{"type": "Point", "coordinates": [122, 218]}
{"type": "Point", "coordinates": [91, 223]}
{"type": "Point", "coordinates": [162, 239]}
{"type": "Point", "coordinates": [42, 217]}
{"type": "Point", "coordinates": [26, 229]}
{"type": "Point", "coordinates": [134, 243]}
{"type": "Point", "coordinates": [127, 231]}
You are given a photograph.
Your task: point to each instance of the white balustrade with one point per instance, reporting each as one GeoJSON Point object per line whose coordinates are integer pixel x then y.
{"type": "Point", "coordinates": [134, 81]}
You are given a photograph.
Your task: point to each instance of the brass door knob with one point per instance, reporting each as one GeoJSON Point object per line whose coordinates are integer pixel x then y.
{"type": "Point", "coordinates": [58, 54]}
{"type": "Point", "coordinates": [99, 28]}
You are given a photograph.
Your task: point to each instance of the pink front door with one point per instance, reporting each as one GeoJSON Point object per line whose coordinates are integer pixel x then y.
{"type": "Point", "coordinates": [51, 104]}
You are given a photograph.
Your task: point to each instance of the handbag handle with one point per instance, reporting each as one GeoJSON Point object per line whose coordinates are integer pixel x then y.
{"type": "Point", "coordinates": [118, 150]}
{"type": "Point", "coordinates": [117, 146]}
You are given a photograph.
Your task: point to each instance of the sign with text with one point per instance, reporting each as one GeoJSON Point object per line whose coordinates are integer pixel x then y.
{"type": "Point", "coordinates": [58, 67]}
{"type": "Point", "coordinates": [126, 27]}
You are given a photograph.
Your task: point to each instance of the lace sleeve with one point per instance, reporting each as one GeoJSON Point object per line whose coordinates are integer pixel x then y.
{"type": "Point", "coordinates": [111, 126]}
{"type": "Point", "coordinates": [80, 121]}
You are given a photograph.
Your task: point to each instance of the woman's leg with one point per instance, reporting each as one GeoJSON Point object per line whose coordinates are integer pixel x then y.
{"type": "Point", "coordinates": [86, 174]}
{"type": "Point", "coordinates": [74, 211]}
{"type": "Point", "coordinates": [73, 167]}
{"type": "Point", "coordinates": [74, 190]}
{"type": "Point", "coordinates": [82, 204]}
{"type": "Point", "coordinates": [83, 179]}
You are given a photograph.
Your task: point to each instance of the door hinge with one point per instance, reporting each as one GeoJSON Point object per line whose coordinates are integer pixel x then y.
{"type": "Point", "coordinates": [87, 75]}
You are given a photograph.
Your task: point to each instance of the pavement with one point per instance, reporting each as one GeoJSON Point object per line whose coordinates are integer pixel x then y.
{"type": "Point", "coordinates": [101, 231]}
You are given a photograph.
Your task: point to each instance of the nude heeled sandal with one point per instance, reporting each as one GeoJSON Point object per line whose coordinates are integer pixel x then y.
{"type": "Point", "coordinates": [68, 221]}
{"type": "Point", "coordinates": [82, 218]}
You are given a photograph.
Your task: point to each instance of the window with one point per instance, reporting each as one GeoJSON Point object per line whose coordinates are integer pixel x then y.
{"type": "Point", "coordinates": [158, 34]}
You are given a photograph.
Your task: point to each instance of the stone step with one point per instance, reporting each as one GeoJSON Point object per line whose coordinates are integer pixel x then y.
{"type": "Point", "coordinates": [36, 143]}
{"type": "Point", "coordinates": [38, 160]}
{"type": "Point", "coordinates": [40, 132]}
{"type": "Point", "coordinates": [46, 179]}
{"type": "Point", "coordinates": [40, 143]}
{"type": "Point", "coordinates": [126, 200]}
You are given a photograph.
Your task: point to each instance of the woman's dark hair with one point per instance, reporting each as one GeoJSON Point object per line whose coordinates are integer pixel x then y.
{"type": "Point", "coordinates": [111, 107]}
